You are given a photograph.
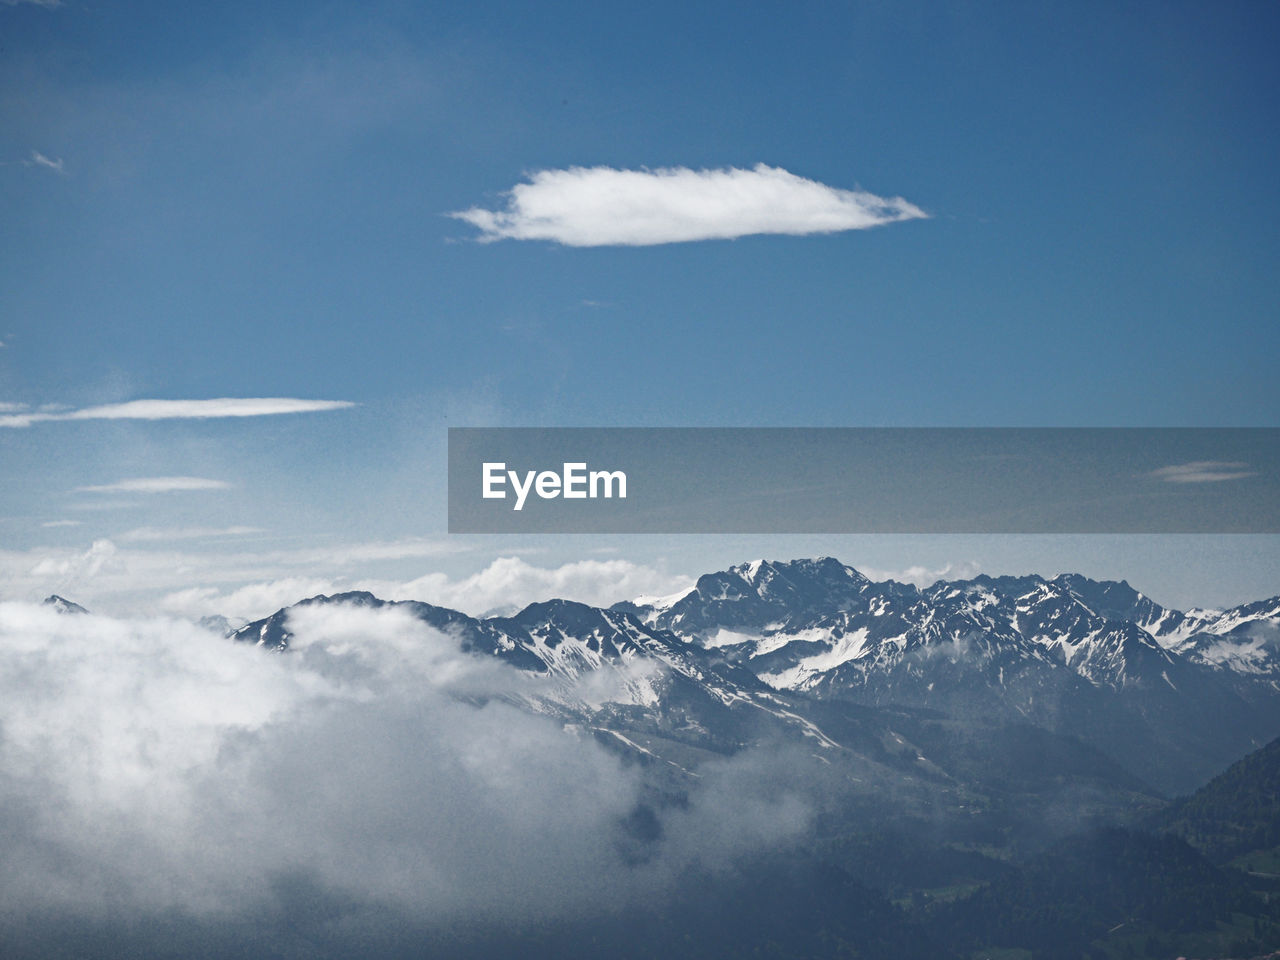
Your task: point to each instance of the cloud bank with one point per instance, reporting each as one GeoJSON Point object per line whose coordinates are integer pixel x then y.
{"type": "Point", "coordinates": [509, 583]}
{"type": "Point", "coordinates": [505, 586]}
{"type": "Point", "coordinates": [151, 568]}
{"type": "Point", "coordinates": [602, 206]}
{"type": "Point", "coordinates": [149, 766]}
{"type": "Point", "coordinates": [179, 410]}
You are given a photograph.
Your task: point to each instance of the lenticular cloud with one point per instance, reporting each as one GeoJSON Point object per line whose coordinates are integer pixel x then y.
{"type": "Point", "coordinates": [601, 206]}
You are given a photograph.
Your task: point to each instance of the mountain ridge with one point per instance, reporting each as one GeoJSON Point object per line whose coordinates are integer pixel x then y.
{"type": "Point", "coordinates": [1092, 660]}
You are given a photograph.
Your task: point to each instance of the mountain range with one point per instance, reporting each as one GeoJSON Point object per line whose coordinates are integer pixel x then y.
{"type": "Point", "coordinates": [863, 670]}
{"type": "Point", "coordinates": [995, 756]}
{"type": "Point", "coordinates": [995, 767]}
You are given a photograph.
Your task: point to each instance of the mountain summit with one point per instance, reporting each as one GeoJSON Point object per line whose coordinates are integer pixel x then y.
{"type": "Point", "coordinates": [62, 604]}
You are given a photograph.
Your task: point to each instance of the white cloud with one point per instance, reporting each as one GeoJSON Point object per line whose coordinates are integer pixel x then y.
{"type": "Point", "coordinates": [68, 570]}
{"type": "Point", "coordinates": [38, 159]}
{"type": "Point", "coordinates": [602, 206]}
{"type": "Point", "coordinates": [181, 410]}
{"type": "Point", "coordinates": [194, 578]}
{"type": "Point", "coordinates": [156, 485]}
{"type": "Point", "coordinates": [147, 570]}
{"type": "Point", "coordinates": [922, 576]}
{"type": "Point", "coordinates": [50, 4]}
{"type": "Point", "coordinates": [506, 585]}
{"type": "Point", "coordinates": [510, 583]}
{"type": "Point", "coordinates": [152, 534]}
{"type": "Point", "coordinates": [250, 602]}
{"type": "Point", "coordinates": [171, 767]}
{"type": "Point", "coordinates": [150, 766]}
{"type": "Point", "coordinates": [61, 523]}
{"type": "Point", "coordinates": [1204, 471]}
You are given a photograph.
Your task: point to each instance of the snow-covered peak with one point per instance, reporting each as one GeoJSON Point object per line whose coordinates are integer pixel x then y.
{"type": "Point", "coordinates": [660, 604]}
{"type": "Point", "coordinates": [63, 605]}
{"type": "Point", "coordinates": [827, 569]}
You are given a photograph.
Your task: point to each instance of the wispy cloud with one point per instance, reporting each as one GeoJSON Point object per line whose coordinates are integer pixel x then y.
{"type": "Point", "coordinates": [180, 410]}
{"type": "Point", "coordinates": [50, 4]}
{"type": "Point", "coordinates": [157, 485]}
{"type": "Point", "coordinates": [602, 206]}
{"type": "Point", "coordinates": [157, 534]}
{"type": "Point", "coordinates": [38, 159]}
{"type": "Point", "coordinates": [61, 523]}
{"type": "Point", "coordinates": [1204, 471]}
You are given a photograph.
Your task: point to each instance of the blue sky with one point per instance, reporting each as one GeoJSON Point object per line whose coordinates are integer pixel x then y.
{"type": "Point", "coordinates": [251, 200]}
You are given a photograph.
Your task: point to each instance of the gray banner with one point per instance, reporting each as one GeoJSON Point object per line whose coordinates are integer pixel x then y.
{"type": "Point", "coordinates": [864, 480]}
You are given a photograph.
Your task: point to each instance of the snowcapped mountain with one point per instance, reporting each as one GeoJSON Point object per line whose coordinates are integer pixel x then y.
{"type": "Point", "coordinates": [796, 623]}
{"type": "Point", "coordinates": [796, 649]}
{"type": "Point", "coordinates": [1244, 640]}
{"type": "Point", "coordinates": [606, 672]}
{"type": "Point", "coordinates": [1163, 691]}
{"type": "Point", "coordinates": [671, 704]}
{"type": "Point", "coordinates": [755, 597]}
{"type": "Point", "coordinates": [62, 604]}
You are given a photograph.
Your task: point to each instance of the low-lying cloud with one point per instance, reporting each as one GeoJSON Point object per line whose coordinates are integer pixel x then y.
{"type": "Point", "coordinates": [178, 410]}
{"type": "Point", "coordinates": [167, 569]}
{"type": "Point", "coordinates": [603, 206]}
{"type": "Point", "coordinates": [150, 766]}
{"type": "Point", "coordinates": [509, 583]}
{"type": "Point", "coordinates": [504, 586]}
